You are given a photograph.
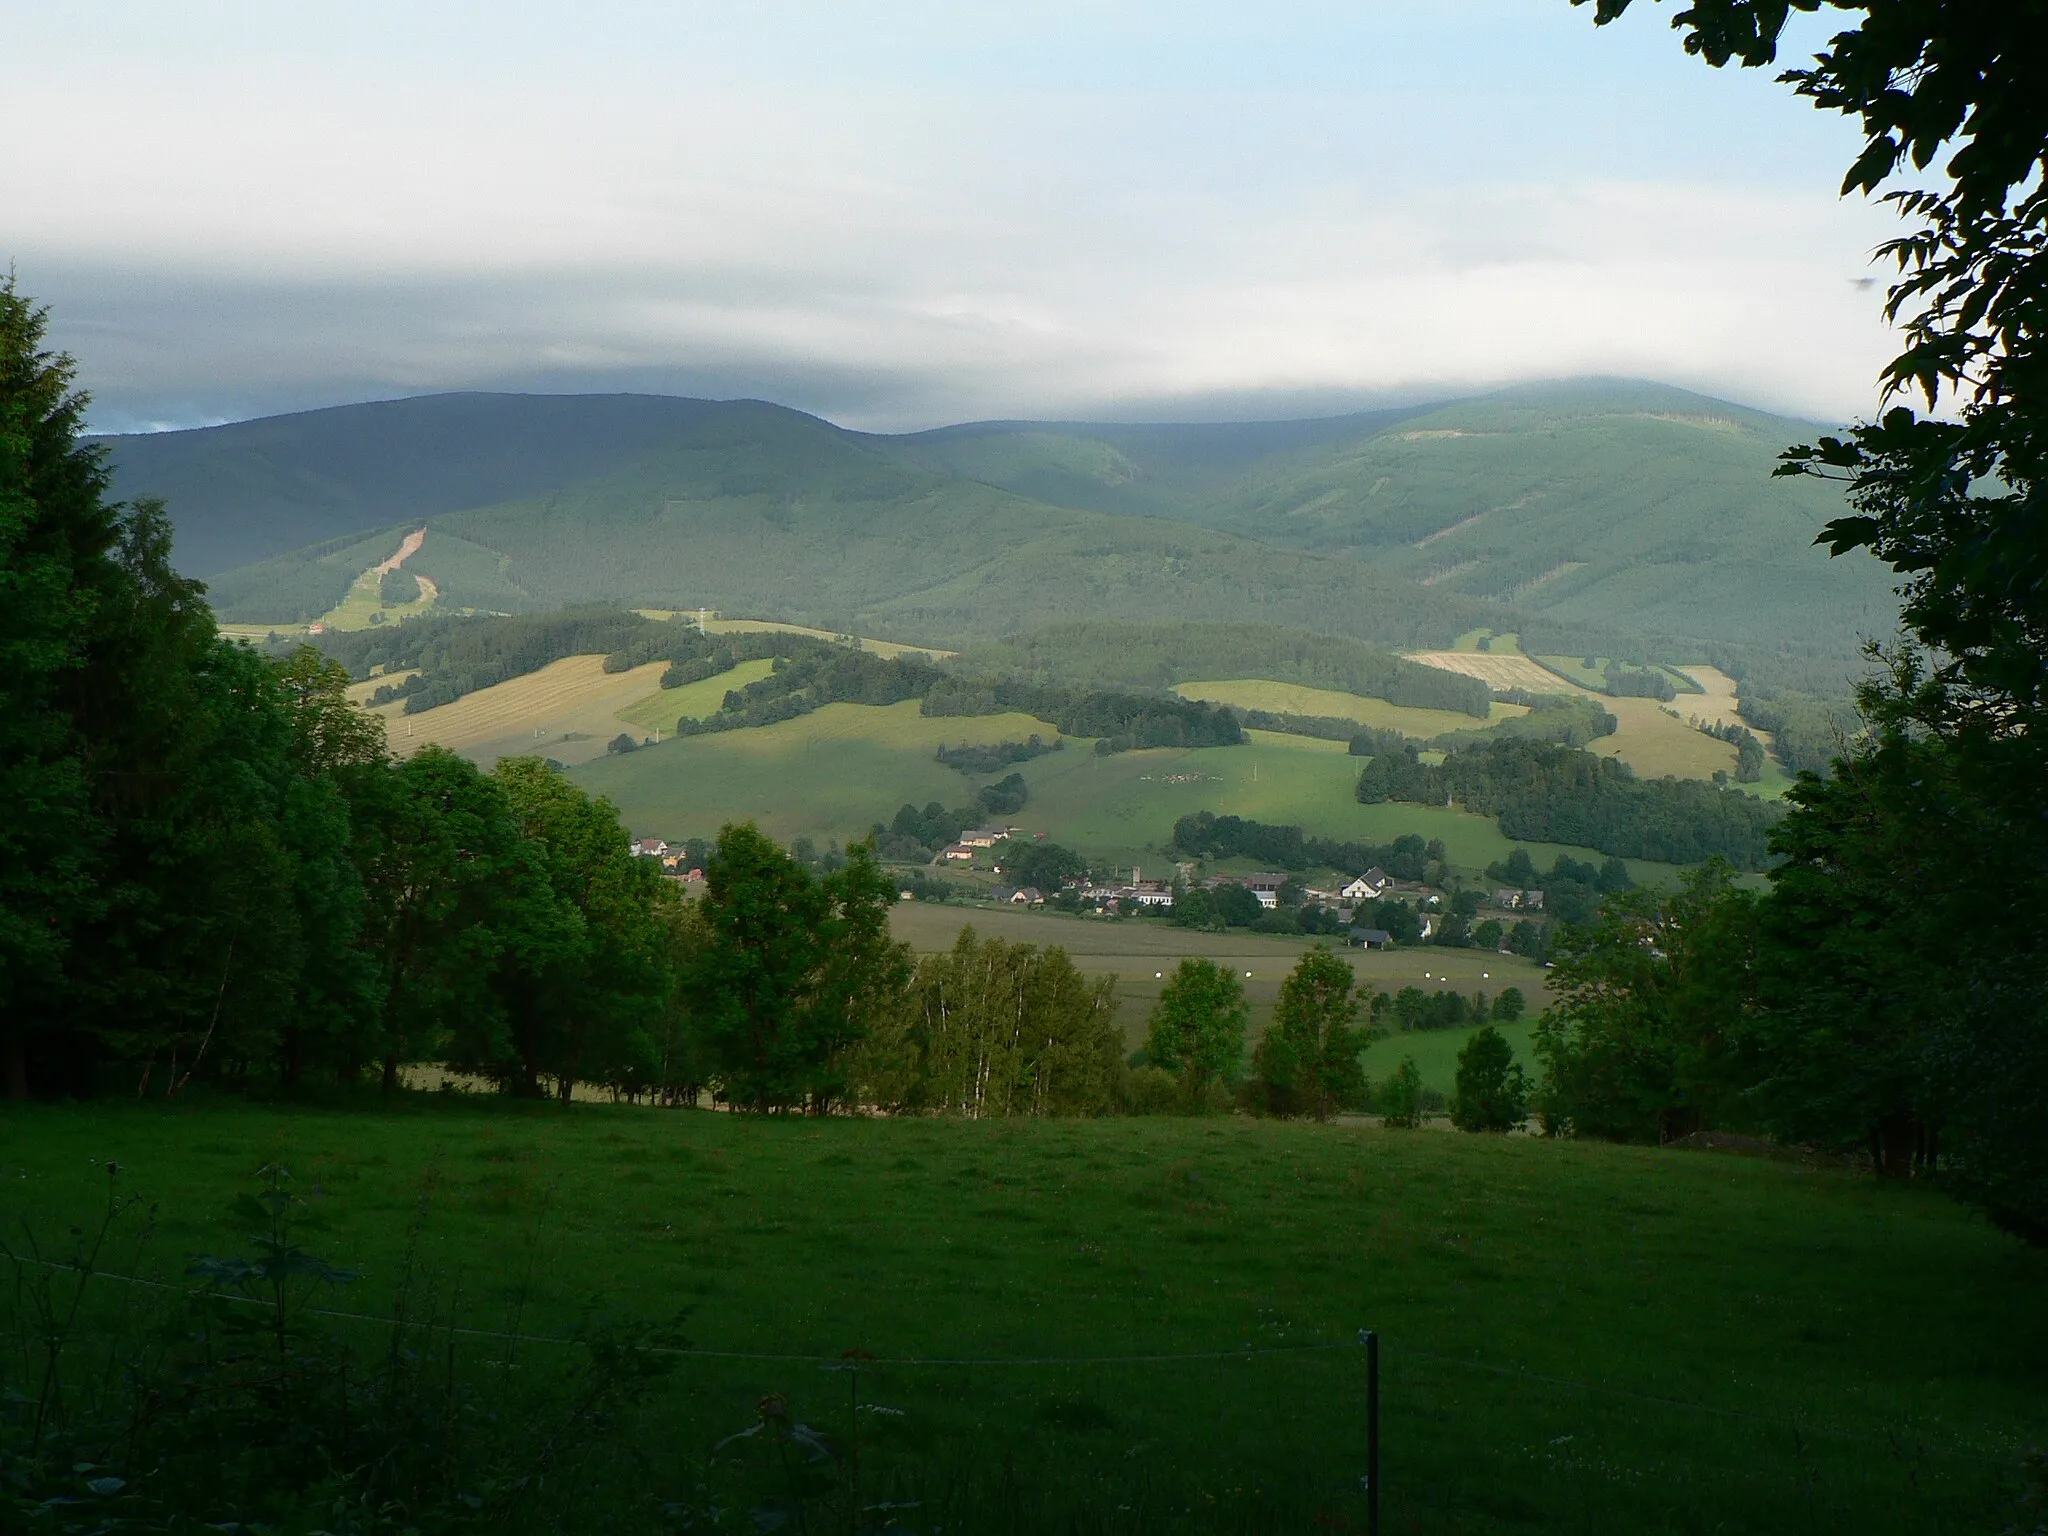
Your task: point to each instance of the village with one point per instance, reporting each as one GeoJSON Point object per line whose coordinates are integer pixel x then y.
{"type": "Point", "coordinates": [1352, 911]}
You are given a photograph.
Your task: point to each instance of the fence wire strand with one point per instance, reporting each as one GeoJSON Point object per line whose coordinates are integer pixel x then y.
{"type": "Point", "coordinates": [860, 1360]}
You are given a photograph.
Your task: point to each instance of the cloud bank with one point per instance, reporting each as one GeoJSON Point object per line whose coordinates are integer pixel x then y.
{"type": "Point", "coordinates": [903, 215]}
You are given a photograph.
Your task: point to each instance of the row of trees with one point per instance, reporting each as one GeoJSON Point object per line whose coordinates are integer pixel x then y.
{"type": "Point", "coordinates": [1205, 835]}
{"type": "Point", "coordinates": [1543, 792]}
{"type": "Point", "coordinates": [809, 674]}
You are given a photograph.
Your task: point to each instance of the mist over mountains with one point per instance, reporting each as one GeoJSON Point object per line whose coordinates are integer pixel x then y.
{"type": "Point", "coordinates": [1600, 513]}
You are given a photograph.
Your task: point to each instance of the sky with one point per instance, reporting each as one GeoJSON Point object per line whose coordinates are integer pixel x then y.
{"type": "Point", "coordinates": [899, 214]}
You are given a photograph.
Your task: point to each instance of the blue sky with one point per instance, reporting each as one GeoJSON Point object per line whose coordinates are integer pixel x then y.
{"type": "Point", "coordinates": [903, 214]}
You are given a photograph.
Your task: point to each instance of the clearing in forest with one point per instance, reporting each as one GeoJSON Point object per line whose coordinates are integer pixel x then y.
{"type": "Point", "coordinates": [364, 604]}
{"type": "Point", "coordinates": [1647, 736]}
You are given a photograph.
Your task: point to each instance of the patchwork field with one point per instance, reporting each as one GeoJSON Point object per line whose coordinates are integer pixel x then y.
{"type": "Point", "coordinates": [567, 710]}
{"type": "Point", "coordinates": [1648, 739]}
{"type": "Point", "coordinates": [829, 775]}
{"type": "Point", "coordinates": [832, 774]}
{"type": "Point", "coordinates": [1299, 699]}
{"type": "Point", "coordinates": [1577, 1337]}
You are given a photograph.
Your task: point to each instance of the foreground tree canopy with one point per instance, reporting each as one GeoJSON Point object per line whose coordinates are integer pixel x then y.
{"type": "Point", "coordinates": [1917, 1002]}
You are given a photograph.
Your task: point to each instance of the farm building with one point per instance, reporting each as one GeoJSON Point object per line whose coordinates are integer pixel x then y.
{"type": "Point", "coordinates": [1370, 886]}
{"type": "Point", "coordinates": [1265, 884]}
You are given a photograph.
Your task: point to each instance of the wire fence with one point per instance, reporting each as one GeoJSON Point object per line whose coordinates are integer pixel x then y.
{"type": "Point", "coordinates": [1261, 1415]}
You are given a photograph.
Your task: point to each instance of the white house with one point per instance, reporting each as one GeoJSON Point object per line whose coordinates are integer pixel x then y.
{"type": "Point", "coordinates": [650, 848]}
{"type": "Point", "coordinates": [1369, 886]}
{"type": "Point", "coordinates": [960, 852]}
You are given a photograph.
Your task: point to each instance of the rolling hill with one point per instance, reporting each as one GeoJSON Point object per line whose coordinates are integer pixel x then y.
{"type": "Point", "coordinates": [241, 493]}
{"type": "Point", "coordinates": [1633, 507]}
{"type": "Point", "coordinates": [1598, 516]}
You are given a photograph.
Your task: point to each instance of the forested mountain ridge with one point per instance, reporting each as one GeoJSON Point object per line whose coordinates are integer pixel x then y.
{"type": "Point", "coordinates": [753, 509]}
{"type": "Point", "coordinates": [249, 490]}
{"type": "Point", "coordinates": [1596, 515]}
{"type": "Point", "coordinates": [1632, 506]}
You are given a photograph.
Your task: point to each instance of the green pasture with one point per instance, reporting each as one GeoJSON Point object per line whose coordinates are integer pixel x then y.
{"type": "Point", "coordinates": [660, 711]}
{"type": "Point", "coordinates": [1508, 644]}
{"type": "Point", "coordinates": [1125, 805]}
{"type": "Point", "coordinates": [1577, 1337]}
{"type": "Point", "coordinates": [1299, 699]}
{"type": "Point", "coordinates": [832, 774]}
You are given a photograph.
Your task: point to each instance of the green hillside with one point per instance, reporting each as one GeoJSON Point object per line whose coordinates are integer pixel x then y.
{"type": "Point", "coordinates": [243, 492]}
{"type": "Point", "coordinates": [832, 774]}
{"type": "Point", "coordinates": [754, 509]}
{"type": "Point", "coordinates": [1634, 507]}
{"type": "Point", "coordinates": [1602, 517]}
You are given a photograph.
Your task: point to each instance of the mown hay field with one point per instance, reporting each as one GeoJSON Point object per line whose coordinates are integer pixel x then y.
{"type": "Point", "coordinates": [1299, 699]}
{"type": "Point", "coordinates": [567, 710]}
{"type": "Point", "coordinates": [1577, 1337]}
{"type": "Point", "coordinates": [1649, 740]}
{"type": "Point", "coordinates": [1495, 669]}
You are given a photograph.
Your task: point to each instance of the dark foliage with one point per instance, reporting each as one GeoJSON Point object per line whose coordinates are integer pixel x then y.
{"type": "Point", "coordinates": [459, 655]}
{"type": "Point", "coordinates": [995, 757]}
{"type": "Point", "coordinates": [1491, 1093]}
{"type": "Point", "coordinates": [1373, 741]}
{"type": "Point", "coordinates": [1626, 682]}
{"type": "Point", "coordinates": [812, 674]}
{"type": "Point", "coordinates": [1544, 793]}
{"type": "Point", "coordinates": [1156, 656]}
{"type": "Point", "coordinates": [1206, 835]}
{"type": "Point", "coordinates": [1572, 721]}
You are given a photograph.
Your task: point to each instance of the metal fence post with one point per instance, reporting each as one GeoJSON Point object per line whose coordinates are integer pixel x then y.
{"type": "Point", "coordinates": [1372, 1431]}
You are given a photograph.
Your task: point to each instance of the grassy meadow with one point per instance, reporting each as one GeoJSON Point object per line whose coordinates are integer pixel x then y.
{"type": "Point", "coordinates": [1577, 1337]}
{"type": "Point", "coordinates": [835, 772]}
{"type": "Point", "coordinates": [829, 774]}
{"type": "Point", "coordinates": [660, 710]}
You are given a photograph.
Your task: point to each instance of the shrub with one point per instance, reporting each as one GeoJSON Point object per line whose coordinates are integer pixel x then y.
{"type": "Point", "coordinates": [1400, 1096]}
{"type": "Point", "coordinates": [1492, 1092]}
